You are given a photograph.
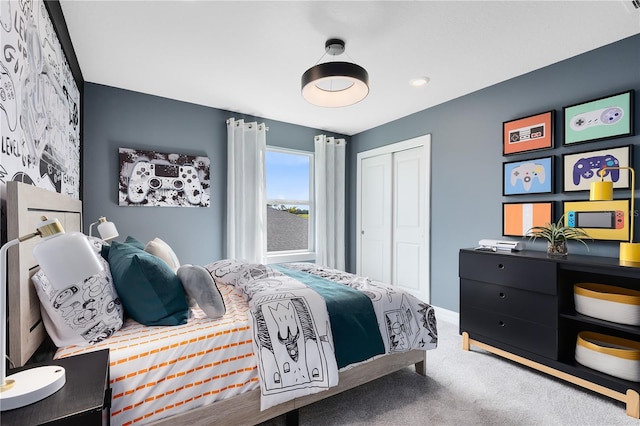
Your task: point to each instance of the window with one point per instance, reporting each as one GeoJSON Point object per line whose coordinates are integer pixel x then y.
{"type": "Point", "coordinates": [290, 213]}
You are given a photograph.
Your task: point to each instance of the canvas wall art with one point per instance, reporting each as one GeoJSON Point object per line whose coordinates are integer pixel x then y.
{"type": "Point", "coordinates": [602, 220]}
{"type": "Point", "coordinates": [39, 102]}
{"type": "Point", "coordinates": [518, 218]}
{"type": "Point", "coordinates": [599, 119]}
{"type": "Point", "coordinates": [531, 133]}
{"type": "Point", "coordinates": [150, 178]}
{"type": "Point", "coordinates": [582, 168]}
{"type": "Point", "coordinates": [533, 176]}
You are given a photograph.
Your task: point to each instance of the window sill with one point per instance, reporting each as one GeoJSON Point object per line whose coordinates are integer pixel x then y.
{"type": "Point", "coordinates": [291, 256]}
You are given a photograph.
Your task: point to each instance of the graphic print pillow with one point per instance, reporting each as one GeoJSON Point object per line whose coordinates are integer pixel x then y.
{"type": "Point", "coordinates": [81, 313]}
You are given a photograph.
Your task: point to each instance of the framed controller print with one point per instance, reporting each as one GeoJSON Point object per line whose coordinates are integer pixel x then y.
{"type": "Point", "coordinates": [599, 119]}
{"type": "Point", "coordinates": [150, 178]}
{"type": "Point", "coordinates": [518, 218]}
{"type": "Point", "coordinates": [602, 220]}
{"type": "Point", "coordinates": [533, 176]}
{"type": "Point", "coordinates": [531, 133]}
{"type": "Point", "coordinates": [581, 168]}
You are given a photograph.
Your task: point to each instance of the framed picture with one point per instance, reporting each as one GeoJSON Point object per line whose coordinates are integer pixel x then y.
{"type": "Point", "coordinates": [602, 220]}
{"type": "Point", "coordinates": [533, 176]}
{"type": "Point", "coordinates": [581, 168]}
{"type": "Point", "coordinates": [156, 179]}
{"type": "Point", "coordinates": [599, 119]}
{"type": "Point", "coordinates": [518, 218]}
{"type": "Point", "coordinates": [528, 133]}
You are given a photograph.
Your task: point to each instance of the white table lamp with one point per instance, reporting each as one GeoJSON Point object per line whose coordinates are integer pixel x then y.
{"type": "Point", "coordinates": [65, 258]}
{"type": "Point", "coordinates": [107, 230]}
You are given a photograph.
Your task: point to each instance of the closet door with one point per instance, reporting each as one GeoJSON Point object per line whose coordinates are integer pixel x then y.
{"type": "Point", "coordinates": [408, 230]}
{"type": "Point", "coordinates": [375, 229]}
{"type": "Point", "coordinates": [393, 215]}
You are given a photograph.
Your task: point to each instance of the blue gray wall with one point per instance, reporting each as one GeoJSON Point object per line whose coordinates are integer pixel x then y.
{"type": "Point", "coordinates": [115, 118]}
{"type": "Point", "coordinates": [466, 170]}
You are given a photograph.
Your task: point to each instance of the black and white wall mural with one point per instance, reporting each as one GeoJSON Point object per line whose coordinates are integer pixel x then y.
{"type": "Point", "coordinates": [39, 102]}
{"type": "Point", "coordinates": [149, 178]}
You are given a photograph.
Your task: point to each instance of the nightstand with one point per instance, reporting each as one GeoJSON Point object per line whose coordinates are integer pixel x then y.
{"type": "Point", "coordinates": [84, 400]}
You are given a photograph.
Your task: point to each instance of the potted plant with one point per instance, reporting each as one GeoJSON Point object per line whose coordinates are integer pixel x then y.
{"type": "Point", "coordinates": [557, 235]}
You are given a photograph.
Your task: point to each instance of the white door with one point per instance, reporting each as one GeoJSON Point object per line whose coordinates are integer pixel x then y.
{"type": "Point", "coordinates": [393, 215]}
{"type": "Point", "coordinates": [408, 221]}
{"type": "Point", "coordinates": [375, 229]}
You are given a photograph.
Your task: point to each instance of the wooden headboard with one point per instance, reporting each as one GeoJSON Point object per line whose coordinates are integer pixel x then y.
{"type": "Point", "coordinates": [25, 206]}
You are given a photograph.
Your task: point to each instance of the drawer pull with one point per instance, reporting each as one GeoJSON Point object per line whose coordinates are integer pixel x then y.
{"type": "Point", "coordinates": [501, 323]}
{"type": "Point", "coordinates": [500, 266]}
{"type": "Point", "coordinates": [502, 295]}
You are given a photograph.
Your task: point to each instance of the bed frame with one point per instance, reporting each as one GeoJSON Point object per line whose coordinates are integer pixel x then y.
{"type": "Point", "coordinates": [26, 204]}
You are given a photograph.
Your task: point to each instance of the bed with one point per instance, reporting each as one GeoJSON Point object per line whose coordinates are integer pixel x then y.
{"type": "Point", "coordinates": [236, 403]}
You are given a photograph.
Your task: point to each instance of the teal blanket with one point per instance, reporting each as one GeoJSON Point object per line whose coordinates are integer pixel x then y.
{"type": "Point", "coordinates": [354, 326]}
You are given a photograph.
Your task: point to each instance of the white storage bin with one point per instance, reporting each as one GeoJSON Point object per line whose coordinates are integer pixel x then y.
{"type": "Point", "coordinates": [607, 302]}
{"type": "Point", "coordinates": [611, 355]}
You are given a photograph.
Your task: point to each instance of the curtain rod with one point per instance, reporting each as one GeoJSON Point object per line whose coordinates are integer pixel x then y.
{"type": "Point", "coordinates": [249, 124]}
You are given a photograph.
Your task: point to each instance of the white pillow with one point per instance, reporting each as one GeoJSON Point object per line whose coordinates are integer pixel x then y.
{"type": "Point", "coordinates": [159, 248]}
{"type": "Point", "coordinates": [83, 313]}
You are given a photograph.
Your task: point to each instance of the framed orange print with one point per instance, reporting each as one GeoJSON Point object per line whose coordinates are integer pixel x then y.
{"type": "Point", "coordinates": [518, 218]}
{"type": "Point", "coordinates": [526, 134]}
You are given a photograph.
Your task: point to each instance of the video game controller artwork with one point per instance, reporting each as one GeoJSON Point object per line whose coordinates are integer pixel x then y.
{"type": "Point", "coordinates": [39, 102]}
{"type": "Point", "coordinates": [599, 119]}
{"type": "Point", "coordinates": [149, 178]}
{"type": "Point", "coordinates": [589, 167]}
{"type": "Point", "coordinates": [528, 177]}
{"type": "Point", "coordinates": [583, 168]}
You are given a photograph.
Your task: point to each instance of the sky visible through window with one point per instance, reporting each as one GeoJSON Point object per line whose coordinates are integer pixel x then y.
{"type": "Point", "coordinates": [287, 176]}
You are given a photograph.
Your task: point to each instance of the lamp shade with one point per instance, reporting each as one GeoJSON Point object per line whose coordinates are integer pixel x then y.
{"type": "Point", "coordinates": [601, 191]}
{"type": "Point", "coordinates": [335, 84]}
{"type": "Point", "coordinates": [66, 258]}
{"type": "Point", "coordinates": [107, 230]}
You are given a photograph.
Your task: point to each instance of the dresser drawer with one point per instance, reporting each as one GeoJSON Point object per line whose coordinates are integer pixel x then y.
{"type": "Point", "coordinates": [531, 306]}
{"type": "Point", "coordinates": [527, 274]}
{"type": "Point", "coordinates": [515, 332]}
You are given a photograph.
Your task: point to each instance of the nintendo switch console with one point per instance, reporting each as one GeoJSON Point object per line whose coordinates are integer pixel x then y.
{"type": "Point", "coordinates": [147, 177]}
{"type": "Point", "coordinates": [612, 219]}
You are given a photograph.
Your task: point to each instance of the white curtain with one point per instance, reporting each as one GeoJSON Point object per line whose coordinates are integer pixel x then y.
{"type": "Point", "coordinates": [329, 194]}
{"type": "Point", "coordinates": [246, 191]}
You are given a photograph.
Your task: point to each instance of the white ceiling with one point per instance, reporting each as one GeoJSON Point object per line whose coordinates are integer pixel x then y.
{"type": "Point", "coordinates": [248, 56]}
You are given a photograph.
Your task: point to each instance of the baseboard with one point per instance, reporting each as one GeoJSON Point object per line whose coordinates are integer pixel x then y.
{"type": "Point", "coordinates": [447, 315]}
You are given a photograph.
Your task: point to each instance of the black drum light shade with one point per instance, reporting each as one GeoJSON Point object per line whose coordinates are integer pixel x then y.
{"type": "Point", "coordinates": [335, 84]}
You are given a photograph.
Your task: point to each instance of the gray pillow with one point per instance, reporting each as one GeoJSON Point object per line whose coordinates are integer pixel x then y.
{"type": "Point", "coordinates": [201, 290]}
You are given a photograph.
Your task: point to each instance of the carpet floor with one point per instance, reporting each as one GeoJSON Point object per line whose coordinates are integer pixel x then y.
{"type": "Point", "coordinates": [465, 388]}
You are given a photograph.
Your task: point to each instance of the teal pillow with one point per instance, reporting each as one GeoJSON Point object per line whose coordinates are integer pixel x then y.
{"type": "Point", "coordinates": [150, 291]}
{"type": "Point", "coordinates": [134, 242]}
{"type": "Point", "coordinates": [104, 251]}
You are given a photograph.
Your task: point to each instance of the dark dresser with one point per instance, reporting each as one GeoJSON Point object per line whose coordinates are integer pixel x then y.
{"type": "Point", "coordinates": [520, 305]}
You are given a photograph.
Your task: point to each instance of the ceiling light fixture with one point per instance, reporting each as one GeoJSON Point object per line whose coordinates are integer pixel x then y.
{"type": "Point", "coordinates": [419, 82]}
{"type": "Point", "coordinates": [335, 84]}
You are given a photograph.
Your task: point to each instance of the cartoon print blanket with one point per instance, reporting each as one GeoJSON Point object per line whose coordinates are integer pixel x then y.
{"type": "Point", "coordinates": [405, 321]}
{"type": "Point", "coordinates": [293, 338]}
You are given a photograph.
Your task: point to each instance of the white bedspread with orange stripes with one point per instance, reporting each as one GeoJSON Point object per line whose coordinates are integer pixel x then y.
{"type": "Point", "coordinates": [160, 371]}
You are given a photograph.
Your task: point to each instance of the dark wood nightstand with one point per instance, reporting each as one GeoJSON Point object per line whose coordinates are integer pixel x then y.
{"type": "Point", "coordinates": [84, 400]}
